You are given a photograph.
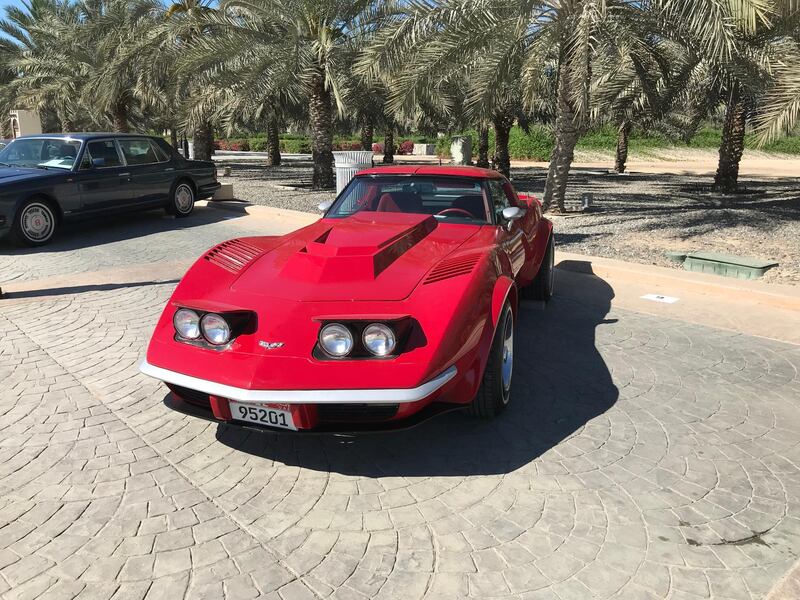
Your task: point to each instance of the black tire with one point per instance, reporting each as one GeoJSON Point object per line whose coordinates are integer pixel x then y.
{"type": "Point", "coordinates": [35, 223]}
{"type": "Point", "coordinates": [495, 392]}
{"type": "Point", "coordinates": [181, 201]}
{"type": "Point", "coordinates": [541, 288]}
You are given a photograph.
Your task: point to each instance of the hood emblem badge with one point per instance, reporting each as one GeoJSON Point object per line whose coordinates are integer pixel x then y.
{"type": "Point", "coordinates": [270, 345]}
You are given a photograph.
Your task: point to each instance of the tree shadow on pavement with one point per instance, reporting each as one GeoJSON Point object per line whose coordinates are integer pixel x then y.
{"type": "Point", "coordinates": [560, 383]}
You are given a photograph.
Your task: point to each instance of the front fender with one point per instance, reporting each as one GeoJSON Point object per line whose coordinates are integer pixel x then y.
{"type": "Point", "coordinates": [504, 289]}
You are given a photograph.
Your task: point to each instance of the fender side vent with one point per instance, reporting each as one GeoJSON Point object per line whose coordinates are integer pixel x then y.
{"type": "Point", "coordinates": [233, 255]}
{"type": "Point", "coordinates": [453, 267]}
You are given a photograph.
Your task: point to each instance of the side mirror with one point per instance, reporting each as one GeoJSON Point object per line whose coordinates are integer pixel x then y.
{"type": "Point", "coordinates": [98, 162]}
{"type": "Point", "coordinates": [511, 214]}
{"type": "Point", "coordinates": [324, 206]}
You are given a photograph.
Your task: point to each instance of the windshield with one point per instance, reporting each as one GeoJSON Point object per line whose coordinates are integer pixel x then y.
{"type": "Point", "coordinates": [43, 153]}
{"type": "Point", "coordinates": [456, 199]}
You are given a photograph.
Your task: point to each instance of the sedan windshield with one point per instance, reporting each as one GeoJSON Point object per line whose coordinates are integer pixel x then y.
{"type": "Point", "coordinates": [455, 199]}
{"type": "Point", "coordinates": [43, 153]}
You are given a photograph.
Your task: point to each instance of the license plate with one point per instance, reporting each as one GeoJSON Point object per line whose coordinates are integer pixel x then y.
{"type": "Point", "coordinates": [262, 414]}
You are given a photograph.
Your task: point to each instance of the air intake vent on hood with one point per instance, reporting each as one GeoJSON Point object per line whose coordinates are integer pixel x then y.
{"type": "Point", "coordinates": [233, 255]}
{"type": "Point", "coordinates": [453, 267]}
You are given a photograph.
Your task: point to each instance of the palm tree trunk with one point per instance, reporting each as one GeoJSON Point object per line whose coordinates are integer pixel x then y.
{"type": "Point", "coordinates": [567, 133]}
{"type": "Point", "coordinates": [202, 148]}
{"type": "Point", "coordinates": [273, 143]}
{"type": "Point", "coordinates": [119, 115]}
{"type": "Point", "coordinates": [321, 120]}
{"type": "Point", "coordinates": [367, 134]}
{"type": "Point", "coordinates": [173, 137]}
{"type": "Point", "coordinates": [732, 146]}
{"type": "Point", "coordinates": [483, 147]}
{"type": "Point", "coordinates": [622, 146]}
{"type": "Point", "coordinates": [388, 144]}
{"type": "Point", "coordinates": [502, 123]}
{"type": "Point", "coordinates": [67, 125]}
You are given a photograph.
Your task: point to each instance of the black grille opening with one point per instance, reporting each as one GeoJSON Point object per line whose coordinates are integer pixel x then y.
{"type": "Point", "coordinates": [356, 413]}
{"type": "Point", "coordinates": [191, 396]}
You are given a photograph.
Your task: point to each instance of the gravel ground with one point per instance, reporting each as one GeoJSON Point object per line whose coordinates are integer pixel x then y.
{"type": "Point", "coordinates": [636, 217]}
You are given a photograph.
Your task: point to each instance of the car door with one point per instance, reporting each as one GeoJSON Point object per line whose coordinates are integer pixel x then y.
{"type": "Point", "coordinates": [103, 178]}
{"type": "Point", "coordinates": [151, 173]}
{"type": "Point", "coordinates": [510, 235]}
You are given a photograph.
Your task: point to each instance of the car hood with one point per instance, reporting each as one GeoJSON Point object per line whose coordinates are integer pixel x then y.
{"type": "Point", "coordinates": [367, 256]}
{"type": "Point", "coordinates": [14, 174]}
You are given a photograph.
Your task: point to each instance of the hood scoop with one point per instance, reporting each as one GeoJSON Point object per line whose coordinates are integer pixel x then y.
{"type": "Point", "coordinates": [337, 255]}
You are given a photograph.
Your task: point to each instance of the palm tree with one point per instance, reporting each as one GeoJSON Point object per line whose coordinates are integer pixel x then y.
{"type": "Point", "coordinates": [311, 42]}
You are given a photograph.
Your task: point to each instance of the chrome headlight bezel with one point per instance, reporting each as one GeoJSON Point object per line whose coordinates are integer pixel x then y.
{"type": "Point", "coordinates": [344, 335]}
{"type": "Point", "coordinates": [382, 334]}
{"type": "Point", "coordinates": [211, 322]}
{"type": "Point", "coordinates": [192, 317]}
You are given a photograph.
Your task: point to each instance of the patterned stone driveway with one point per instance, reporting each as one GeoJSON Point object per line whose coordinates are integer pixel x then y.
{"type": "Point", "coordinates": [641, 458]}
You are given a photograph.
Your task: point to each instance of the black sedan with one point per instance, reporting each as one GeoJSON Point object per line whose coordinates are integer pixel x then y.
{"type": "Point", "coordinates": [51, 178]}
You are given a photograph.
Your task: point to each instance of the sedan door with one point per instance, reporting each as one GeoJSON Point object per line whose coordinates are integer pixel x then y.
{"type": "Point", "coordinates": [103, 179]}
{"type": "Point", "coordinates": [151, 173]}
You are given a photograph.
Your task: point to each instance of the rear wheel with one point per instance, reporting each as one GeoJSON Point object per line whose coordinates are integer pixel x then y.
{"type": "Point", "coordinates": [541, 288]}
{"type": "Point", "coordinates": [495, 391]}
{"type": "Point", "coordinates": [181, 203]}
{"type": "Point", "coordinates": [35, 222]}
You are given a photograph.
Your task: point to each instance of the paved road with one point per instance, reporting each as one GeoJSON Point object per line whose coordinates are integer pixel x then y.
{"type": "Point", "coordinates": [641, 458]}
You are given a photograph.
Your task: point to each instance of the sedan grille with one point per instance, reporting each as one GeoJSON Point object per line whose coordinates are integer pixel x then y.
{"type": "Point", "coordinates": [453, 267]}
{"type": "Point", "coordinates": [356, 413]}
{"type": "Point", "coordinates": [233, 255]}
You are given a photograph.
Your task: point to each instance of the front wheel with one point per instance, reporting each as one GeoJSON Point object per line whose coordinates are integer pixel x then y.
{"type": "Point", "coordinates": [182, 202]}
{"type": "Point", "coordinates": [35, 223]}
{"type": "Point", "coordinates": [495, 391]}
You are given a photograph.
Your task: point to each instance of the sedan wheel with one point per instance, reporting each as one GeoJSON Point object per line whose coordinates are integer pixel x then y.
{"type": "Point", "coordinates": [35, 223]}
{"type": "Point", "coordinates": [182, 200]}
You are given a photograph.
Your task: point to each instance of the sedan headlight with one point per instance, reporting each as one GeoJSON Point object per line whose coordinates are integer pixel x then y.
{"type": "Point", "coordinates": [186, 323]}
{"type": "Point", "coordinates": [215, 329]}
{"type": "Point", "coordinates": [379, 339]}
{"type": "Point", "coordinates": [336, 339]}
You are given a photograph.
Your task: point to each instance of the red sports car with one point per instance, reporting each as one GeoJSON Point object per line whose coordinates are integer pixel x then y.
{"type": "Point", "coordinates": [398, 304]}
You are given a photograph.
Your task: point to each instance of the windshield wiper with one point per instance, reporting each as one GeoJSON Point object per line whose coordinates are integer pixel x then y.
{"type": "Point", "coordinates": [2, 164]}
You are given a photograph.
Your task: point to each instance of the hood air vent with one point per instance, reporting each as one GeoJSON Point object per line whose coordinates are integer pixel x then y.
{"type": "Point", "coordinates": [233, 255]}
{"type": "Point", "coordinates": [452, 267]}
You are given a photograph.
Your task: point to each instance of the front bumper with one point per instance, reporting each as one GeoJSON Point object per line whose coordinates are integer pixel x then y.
{"type": "Point", "coordinates": [320, 396]}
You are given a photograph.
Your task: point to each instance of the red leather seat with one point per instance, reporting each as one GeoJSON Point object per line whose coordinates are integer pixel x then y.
{"type": "Point", "coordinates": [404, 202]}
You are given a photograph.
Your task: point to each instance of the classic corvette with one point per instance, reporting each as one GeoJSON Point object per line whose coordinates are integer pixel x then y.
{"type": "Point", "coordinates": [398, 304]}
{"type": "Point", "coordinates": [51, 178]}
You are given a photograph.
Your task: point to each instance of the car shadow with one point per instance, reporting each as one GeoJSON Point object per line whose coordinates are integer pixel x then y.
{"type": "Point", "coordinates": [561, 382]}
{"type": "Point", "coordinates": [108, 229]}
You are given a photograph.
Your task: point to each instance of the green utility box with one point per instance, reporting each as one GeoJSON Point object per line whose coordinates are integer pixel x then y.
{"type": "Point", "coordinates": [727, 265]}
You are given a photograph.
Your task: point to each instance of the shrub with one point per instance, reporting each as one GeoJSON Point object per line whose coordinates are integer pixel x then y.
{"type": "Point", "coordinates": [707, 137]}
{"type": "Point", "coordinates": [258, 144]}
{"type": "Point", "coordinates": [405, 147]}
{"type": "Point", "coordinates": [377, 148]}
{"type": "Point", "coordinates": [296, 146]}
{"type": "Point", "coordinates": [536, 145]}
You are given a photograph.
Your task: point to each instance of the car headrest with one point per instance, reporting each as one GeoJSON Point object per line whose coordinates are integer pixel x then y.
{"type": "Point", "coordinates": [68, 150]}
{"type": "Point", "coordinates": [473, 204]}
{"type": "Point", "coordinates": [404, 202]}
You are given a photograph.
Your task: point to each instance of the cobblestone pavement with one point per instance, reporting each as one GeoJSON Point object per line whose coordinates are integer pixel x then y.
{"type": "Point", "coordinates": [640, 458]}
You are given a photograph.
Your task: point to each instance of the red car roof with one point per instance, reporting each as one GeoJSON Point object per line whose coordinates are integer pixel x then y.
{"type": "Point", "coordinates": [432, 170]}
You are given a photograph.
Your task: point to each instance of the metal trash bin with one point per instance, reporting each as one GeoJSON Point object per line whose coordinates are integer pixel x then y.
{"type": "Point", "coordinates": [348, 164]}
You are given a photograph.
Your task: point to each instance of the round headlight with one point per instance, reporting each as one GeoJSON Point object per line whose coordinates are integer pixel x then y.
{"type": "Point", "coordinates": [379, 339]}
{"type": "Point", "coordinates": [215, 329]}
{"type": "Point", "coordinates": [187, 323]}
{"type": "Point", "coordinates": [336, 339]}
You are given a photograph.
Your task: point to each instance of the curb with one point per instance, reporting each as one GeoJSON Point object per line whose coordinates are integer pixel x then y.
{"type": "Point", "coordinates": [769, 294]}
{"type": "Point", "coordinates": [788, 586]}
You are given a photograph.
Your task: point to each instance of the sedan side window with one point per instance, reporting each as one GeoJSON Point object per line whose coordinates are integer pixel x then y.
{"type": "Point", "coordinates": [105, 149]}
{"type": "Point", "coordinates": [137, 151]}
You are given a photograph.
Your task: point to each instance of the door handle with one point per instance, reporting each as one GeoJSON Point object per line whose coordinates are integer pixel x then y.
{"type": "Point", "coordinates": [169, 169]}
{"type": "Point", "coordinates": [124, 174]}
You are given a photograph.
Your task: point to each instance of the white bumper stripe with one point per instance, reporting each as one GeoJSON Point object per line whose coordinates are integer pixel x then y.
{"type": "Point", "coordinates": [374, 396]}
